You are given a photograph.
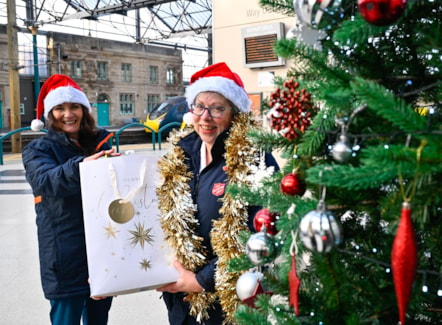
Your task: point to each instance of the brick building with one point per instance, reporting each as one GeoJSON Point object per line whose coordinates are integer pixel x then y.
{"type": "Point", "coordinates": [123, 81]}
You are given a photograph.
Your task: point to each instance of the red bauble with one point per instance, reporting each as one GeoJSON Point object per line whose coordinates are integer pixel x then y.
{"type": "Point", "coordinates": [292, 184]}
{"type": "Point", "coordinates": [381, 12]}
{"type": "Point", "coordinates": [265, 218]}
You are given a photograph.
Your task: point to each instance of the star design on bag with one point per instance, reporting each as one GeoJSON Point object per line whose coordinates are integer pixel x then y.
{"type": "Point", "coordinates": [141, 235]}
{"type": "Point", "coordinates": [145, 264]}
{"type": "Point", "coordinates": [111, 231]}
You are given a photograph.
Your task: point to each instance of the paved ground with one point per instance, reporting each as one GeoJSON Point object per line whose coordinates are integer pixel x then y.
{"type": "Point", "coordinates": [22, 301]}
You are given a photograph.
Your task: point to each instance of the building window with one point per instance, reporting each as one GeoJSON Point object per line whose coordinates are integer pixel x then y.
{"type": "Point", "coordinates": [102, 70]}
{"type": "Point", "coordinates": [76, 69]}
{"type": "Point", "coordinates": [127, 104]}
{"type": "Point", "coordinates": [170, 76]}
{"type": "Point", "coordinates": [152, 101]}
{"type": "Point", "coordinates": [126, 72]}
{"type": "Point", "coordinates": [153, 74]}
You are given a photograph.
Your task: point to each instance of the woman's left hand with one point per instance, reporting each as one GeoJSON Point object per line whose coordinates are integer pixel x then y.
{"type": "Point", "coordinates": [186, 281]}
{"type": "Point", "coordinates": [102, 153]}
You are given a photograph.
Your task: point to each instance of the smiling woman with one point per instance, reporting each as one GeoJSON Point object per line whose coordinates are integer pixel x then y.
{"type": "Point", "coordinates": [200, 219]}
{"type": "Point", "coordinates": [66, 117]}
{"type": "Point", "coordinates": [52, 169]}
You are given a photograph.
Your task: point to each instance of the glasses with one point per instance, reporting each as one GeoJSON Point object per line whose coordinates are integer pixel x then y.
{"type": "Point", "coordinates": [214, 111]}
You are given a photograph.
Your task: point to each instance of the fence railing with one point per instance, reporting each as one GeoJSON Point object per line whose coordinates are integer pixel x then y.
{"type": "Point", "coordinates": [117, 135]}
{"type": "Point", "coordinates": [115, 139]}
{"type": "Point", "coordinates": [10, 133]}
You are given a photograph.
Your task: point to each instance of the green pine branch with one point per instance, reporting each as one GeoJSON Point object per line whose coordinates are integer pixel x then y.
{"type": "Point", "coordinates": [385, 104]}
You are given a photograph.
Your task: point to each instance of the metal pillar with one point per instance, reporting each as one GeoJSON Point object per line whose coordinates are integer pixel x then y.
{"type": "Point", "coordinates": [34, 30]}
{"type": "Point", "coordinates": [14, 81]}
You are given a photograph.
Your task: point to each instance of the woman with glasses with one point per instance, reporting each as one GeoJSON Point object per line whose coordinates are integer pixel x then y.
{"type": "Point", "coordinates": [202, 221]}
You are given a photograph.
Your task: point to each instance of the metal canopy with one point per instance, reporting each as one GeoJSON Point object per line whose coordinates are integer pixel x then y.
{"type": "Point", "coordinates": [142, 20]}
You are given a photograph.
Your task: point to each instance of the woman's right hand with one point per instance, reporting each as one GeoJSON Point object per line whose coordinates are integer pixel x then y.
{"type": "Point", "coordinates": [186, 281]}
{"type": "Point", "coordinates": [102, 153]}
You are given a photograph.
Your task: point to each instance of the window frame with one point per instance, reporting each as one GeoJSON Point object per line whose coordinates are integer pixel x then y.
{"type": "Point", "coordinates": [76, 69]}
{"type": "Point", "coordinates": [126, 72]}
{"type": "Point", "coordinates": [153, 74]}
{"type": "Point", "coordinates": [127, 100]}
{"type": "Point", "coordinates": [170, 76]}
{"type": "Point", "coordinates": [102, 69]}
{"type": "Point", "coordinates": [151, 104]}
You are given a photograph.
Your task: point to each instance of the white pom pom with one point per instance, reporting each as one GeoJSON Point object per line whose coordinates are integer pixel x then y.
{"type": "Point", "coordinates": [188, 118]}
{"type": "Point", "coordinates": [37, 125]}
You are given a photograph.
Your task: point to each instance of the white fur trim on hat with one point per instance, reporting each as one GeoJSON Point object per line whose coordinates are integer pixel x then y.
{"type": "Point", "coordinates": [62, 95]}
{"type": "Point", "coordinates": [224, 86]}
{"type": "Point", "coordinates": [37, 125]}
{"type": "Point", "coordinates": [188, 118]}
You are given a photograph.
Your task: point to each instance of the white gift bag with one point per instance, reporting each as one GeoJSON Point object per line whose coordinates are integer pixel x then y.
{"type": "Point", "coordinates": [125, 244]}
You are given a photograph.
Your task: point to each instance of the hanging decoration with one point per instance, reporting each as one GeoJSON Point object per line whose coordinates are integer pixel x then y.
{"type": "Point", "coordinates": [260, 247]}
{"type": "Point", "coordinates": [319, 230]}
{"type": "Point", "coordinates": [294, 281]}
{"type": "Point", "coordinates": [291, 110]}
{"type": "Point", "coordinates": [404, 260]}
{"type": "Point", "coordinates": [267, 219]}
{"type": "Point", "coordinates": [292, 184]}
{"type": "Point", "coordinates": [249, 286]}
{"type": "Point", "coordinates": [381, 12]}
{"type": "Point", "coordinates": [341, 150]}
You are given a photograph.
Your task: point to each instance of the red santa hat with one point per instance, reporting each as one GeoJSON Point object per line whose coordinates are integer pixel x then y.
{"type": "Point", "coordinates": [56, 90]}
{"type": "Point", "coordinates": [220, 79]}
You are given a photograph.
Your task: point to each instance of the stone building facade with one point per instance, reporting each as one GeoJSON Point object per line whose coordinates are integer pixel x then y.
{"type": "Point", "coordinates": [123, 81]}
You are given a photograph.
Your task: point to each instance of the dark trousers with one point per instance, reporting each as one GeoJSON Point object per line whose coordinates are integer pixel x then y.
{"type": "Point", "coordinates": [70, 311]}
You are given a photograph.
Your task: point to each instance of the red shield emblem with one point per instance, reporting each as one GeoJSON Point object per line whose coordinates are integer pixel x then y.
{"type": "Point", "coordinates": [218, 189]}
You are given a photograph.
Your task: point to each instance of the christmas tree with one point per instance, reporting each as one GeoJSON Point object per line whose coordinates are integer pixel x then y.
{"type": "Point", "coordinates": [351, 226]}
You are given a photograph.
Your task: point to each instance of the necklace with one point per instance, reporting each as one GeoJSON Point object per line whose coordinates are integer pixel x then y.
{"type": "Point", "coordinates": [179, 223]}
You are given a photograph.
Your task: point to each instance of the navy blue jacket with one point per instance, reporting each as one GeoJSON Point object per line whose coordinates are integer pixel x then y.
{"type": "Point", "coordinates": [204, 192]}
{"type": "Point", "coordinates": [52, 169]}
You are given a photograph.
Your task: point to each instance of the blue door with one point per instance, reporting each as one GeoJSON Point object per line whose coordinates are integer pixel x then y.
{"type": "Point", "coordinates": [103, 114]}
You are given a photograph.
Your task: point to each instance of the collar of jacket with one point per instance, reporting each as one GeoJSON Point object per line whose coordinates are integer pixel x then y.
{"type": "Point", "coordinates": [191, 144]}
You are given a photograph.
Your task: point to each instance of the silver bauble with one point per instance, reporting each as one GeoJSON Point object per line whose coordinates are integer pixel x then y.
{"type": "Point", "coordinates": [341, 150]}
{"type": "Point", "coordinates": [247, 283]}
{"type": "Point", "coordinates": [260, 247]}
{"type": "Point", "coordinates": [319, 14]}
{"type": "Point", "coordinates": [319, 231]}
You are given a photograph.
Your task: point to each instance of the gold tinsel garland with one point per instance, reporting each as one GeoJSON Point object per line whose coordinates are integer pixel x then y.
{"type": "Point", "coordinates": [179, 223]}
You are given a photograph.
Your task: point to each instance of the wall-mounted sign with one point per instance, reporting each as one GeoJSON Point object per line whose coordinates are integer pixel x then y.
{"type": "Point", "coordinates": [257, 44]}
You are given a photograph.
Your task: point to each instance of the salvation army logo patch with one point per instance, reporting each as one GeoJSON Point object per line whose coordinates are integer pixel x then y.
{"type": "Point", "coordinates": [218, 189]}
